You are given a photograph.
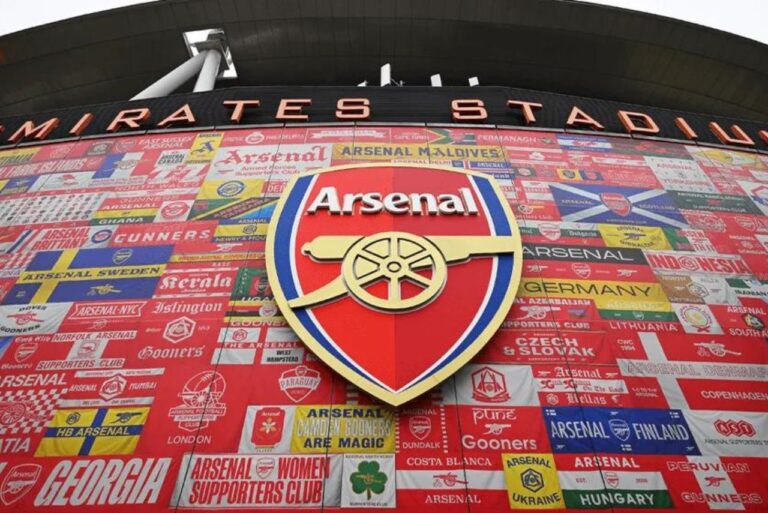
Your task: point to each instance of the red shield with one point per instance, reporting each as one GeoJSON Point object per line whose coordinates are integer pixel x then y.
{"type": "Point", "coordinates": [618, 203]}
{"type": "Point", "coordinates": [550, 230]}
{"type": "Point", "coordinates": [394, 275]}
{"type": "Point", "coordinates": [299, 382]}
{"type": "Point", "coordinates": [24, 351]}
{"type": "Point", "coordinates": [18, 482]}
{"type": "Point", "coordinates": [264, 467]}
{"type": "Point", "coordinates": [420, 426]}
{"type": "Point", "coordinates": [611, 479]}
{"type": "Point", "coordinates": [581, 269]}
{"type": "Point", "coordinates": [268, 427]}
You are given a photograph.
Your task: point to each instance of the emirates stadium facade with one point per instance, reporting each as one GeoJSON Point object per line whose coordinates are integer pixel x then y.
{"type": "Point", "coordinates": [157, 353]}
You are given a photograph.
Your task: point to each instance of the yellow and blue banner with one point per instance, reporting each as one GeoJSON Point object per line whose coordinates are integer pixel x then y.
{"type": "Point", "coordinates": [93, 431]}
{"type": "Point", "coordinates": [90, 275]}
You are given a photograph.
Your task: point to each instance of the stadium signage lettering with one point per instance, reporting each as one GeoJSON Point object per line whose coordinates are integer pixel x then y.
{"type": "Point", "coordinates": [461, 110]}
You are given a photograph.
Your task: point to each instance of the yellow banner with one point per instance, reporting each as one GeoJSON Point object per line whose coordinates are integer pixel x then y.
{"type": "Point", "coordinates": [229, 189]}
{"type": "Point", "coordinates": [532, 481]}
{"type": "Point", "coordinates": [241, 230]}
{"type": "Point", "coordinates": [92, 431]}
{"type": "Point", "coordinates": [19, 156]}
{"type": "Point", "coordinates": [93, 273]}
{"type": "Point", "coordinates": [627, 236]}
{"type": "Point", "coordinates": [420, 152]}
{"type": "Point", "coordinates": [380, 151]}
{"type": "Point", "coordinates": [607, 295]}
{"type": "Point", "coordinates": [250, 319]}
{"type": "Point", "coordinates": [204, 147]}
{"type": "Point", "coordinates": [569, 174]}
{"type": "Point", "coordinates": [229, 256]}
{"type": "Point", "coordinates": [343, 428]}
{"type": "Point", "coordinates": [465, 152]}
{"type": "Point", "coordinates": [730, 158]}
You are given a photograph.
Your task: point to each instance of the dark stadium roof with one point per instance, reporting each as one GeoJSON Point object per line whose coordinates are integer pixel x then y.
{"type": "Point", "coordinates": [552, 45]}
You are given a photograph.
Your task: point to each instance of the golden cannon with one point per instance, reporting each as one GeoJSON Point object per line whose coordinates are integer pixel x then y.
{"type": "Point", "coordinates": [394, 257]}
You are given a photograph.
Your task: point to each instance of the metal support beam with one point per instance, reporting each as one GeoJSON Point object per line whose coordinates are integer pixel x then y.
{"type": "Point", "coordinates": [210, 59]}
{"type": "Point", "coordinates": [207, 77]}
{"type": "Point", "coordinates": [175, 78]}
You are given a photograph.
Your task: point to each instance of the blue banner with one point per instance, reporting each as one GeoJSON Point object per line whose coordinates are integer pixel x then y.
{"type": "Point", "coordinates": [90, 275]}
{"type": "Point", "coordinates": [631, 430]}
{"type": "Point", "coordinates": [616, 205]}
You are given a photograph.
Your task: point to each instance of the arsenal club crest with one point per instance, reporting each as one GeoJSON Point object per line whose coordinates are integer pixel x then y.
{"type": "Point", "coordinates": [394, 275]}
{"type": "Point", "coordinates": [618, 203]}
{"type": "Point", "coordinates": [18, 482]}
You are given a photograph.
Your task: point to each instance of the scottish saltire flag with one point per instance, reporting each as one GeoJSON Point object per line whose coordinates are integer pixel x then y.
{"type": "Point", "coordinates": [616, 205]}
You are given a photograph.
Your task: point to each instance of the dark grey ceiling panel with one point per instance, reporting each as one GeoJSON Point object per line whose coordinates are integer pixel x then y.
{"type": "Point", "coordinates": [551, 45]}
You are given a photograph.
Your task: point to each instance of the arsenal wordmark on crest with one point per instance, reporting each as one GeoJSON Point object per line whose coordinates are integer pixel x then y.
{"type": "Point", "coordinates": [395, 275]}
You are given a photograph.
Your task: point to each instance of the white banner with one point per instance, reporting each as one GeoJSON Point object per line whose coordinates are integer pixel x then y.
{"type": "Point", "coordinates": [494, 385]}
{"type": "Point", "coordinates": [681, 175]}
{"type": "Point", "coordinates": [236, 162]}
{"type": "Point", "coordinates": [267, 429]}
{"type": "Point", "coordinates": [32, 319]}
{"type": "Point", "coordinates": [210, 481]}
{"type": "Point", "coordinates": [612, 479]}
{"type": "Point", "coordinates": [729, 433]}
{"type": "Point", "coordinates": [368, 481]}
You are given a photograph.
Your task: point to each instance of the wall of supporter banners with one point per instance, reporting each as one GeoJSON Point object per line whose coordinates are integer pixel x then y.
{"type": "Point", "coordinates": [145, 367]}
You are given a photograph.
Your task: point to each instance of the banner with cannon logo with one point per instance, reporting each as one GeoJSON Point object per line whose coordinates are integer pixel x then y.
{"type": "Point", "coordinates": [327, 318]}
{"type": "Point", "coordinates": [363, 259]}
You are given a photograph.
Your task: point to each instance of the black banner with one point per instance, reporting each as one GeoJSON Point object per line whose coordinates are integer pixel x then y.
{"type": "Point", "coordinates": [584, 254]}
